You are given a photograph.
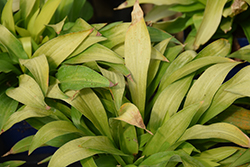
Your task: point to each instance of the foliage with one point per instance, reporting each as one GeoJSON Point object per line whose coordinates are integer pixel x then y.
{"type": "Point", "coordinates": [123, 94]}
{"type": "Point", "coordinates": [207, 18]}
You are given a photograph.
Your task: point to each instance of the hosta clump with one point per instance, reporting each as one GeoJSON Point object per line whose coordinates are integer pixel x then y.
{"type": "Point", "coordinates": [126, 94]}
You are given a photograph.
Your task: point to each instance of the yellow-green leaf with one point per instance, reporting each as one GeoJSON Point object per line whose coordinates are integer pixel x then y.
{"type": "Point", "coordinates": [210, 22]}
{"type": "Point", "coordinates": [59, 48]}
{"type": "Point", "coordinates": [7, 17]}
{"type": "Point", "coordinates": [137, 57]}
{"type": "Point", "coordinates": [224, 131]}
{"type": "Point", "coordinates": [28, 93]}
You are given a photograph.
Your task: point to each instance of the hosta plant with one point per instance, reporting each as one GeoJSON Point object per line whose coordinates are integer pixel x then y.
{"type": "Point", "coordinates": [125, 94]}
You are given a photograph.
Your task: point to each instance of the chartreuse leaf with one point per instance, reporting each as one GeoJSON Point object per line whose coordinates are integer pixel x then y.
{"type": "Point", "coordinates": [79, 77]}
{"type": "Point", "coordinates": [220, 47]}
{"type": "Point", "coordinates": [179, 62]}
{"type": "Point", "coordinates": [12, 163]}
{"type": "Point", "coordinates": [115, 35]}
{"type": "Point", "coordinates": [57, 27]}
{"type": "Point", "coordinates": [72, 152]}
{"type": "Point", "coordinates": [26, 7]}
{"type": "Point", "coordinates": [43, 18]}
{"type": "Point", "coordinates": [7, 67]}
{"type": "Point", "coordinates": [117, 90]}
{"type": "Point", "coordinates": [218, 154]}
{"type": "Point", "coordinates": [39, 68]}
{"type": "Point", "coordinates": [171, 130]}
{"type": "Point", "coordinates": [87, 102]}
{"type": "Point", "coordinates": [96, 52]}
{"type": "Point", "coordinates": [194, 66]}
{"type": "Point", "coordinates": [88, 162]}
{"type": "Point", "coordinates": [59, 48]}
{"type": "Point", "coordinates": [224, 131]}
{"type": "Point", "coordinates": [7, 17]}
{"type": "Point", "coordinates": [242, 53]}
{"type": "Point", "coordinates": [130, 3]}
{"type": "Point", "coordinates": [51, 131]}
{"type": "Point", "coordinates": [27, 46]}
{"type": "Point", "coordinates": [137, 57]}
{"type": "Point", "coordinates": [12, 44]}
{"type": "Point", "coordinates": [28, 93]}
{"type": "Point", "coordinates": [158, 159]}
{"type": "Point", "coordinates": [20, 146]}
{"type": "Point", "coordinates": [210, 22]}
{"type": "Point", "coordinates": [8, 106]}
{"type": "Point", "coordinates": [165, 106]}
{"type": "Point", "coordinates": [63, 9]}
{"type": "Point", "coordinates": [244, 158]}
{"type": "Point", "coordinates": [223, 98]}
{"type": "Point", "coordinates": [30, 112]}
{"type": "Point", "coordinates": [206, 86]}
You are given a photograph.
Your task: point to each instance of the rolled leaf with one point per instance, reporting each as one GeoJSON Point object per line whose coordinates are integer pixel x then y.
{"type": "Point", "coordinates": [7, 18]}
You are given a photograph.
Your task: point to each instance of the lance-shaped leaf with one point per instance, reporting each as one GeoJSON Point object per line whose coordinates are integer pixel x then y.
{"type": "Point", "coordinates": [210, 22]}
{"type": "Point", "coordinates": [96, 52]}
{"type": "Point", "coordinates": [28, 93]}
{"type": "Point", "coordinates": [8, 106]}
{"type": "Point", "coordinates": [59, 48]}
{"type": "Point", "coordinates": [43, 18]}
{"type": "Point", "coordinates": [168, 102]}
{"type": "Point", "coordinates": [129, 113]}
{"type": "Point", "coordinates": [101, 143]}
{"type": "Point", "coordinates": [88, 162]}
{"type": "Point", "coordinates": [137, 57]}
{"type": "Point", "coordinates": [51, 131]}
{"type": "Point", "coordinates": [30, 112]}
{"type": "Point", "coordinates": [79, 77]}
{"type": "Point", "coordinates": [39, 68]}
{"type": "Point", "coordinates": [7, 19]}
{"type": "Point", "coordinates": [72, 152]}
{"type": "Point", "coordinates": [11, 43]}
{"type": "Point", "coordinates": [243, 159]}
{"type": "Point", "coordinates": [12, 163]}
{"type": "Point", "coordinates": [20, 146]}
{"type": "Point", "coordinates": [224, 131]}
{"type": "Point", "coordinates": [223, 98]}
{"type": "Point", "coordinates": [54, 90]}
{"type": "Point", "coordinates": [87, 102]}
{"type": "Point", "coordinates": [171, 130]}
{"type": "Point", "coordinates": [130, 3]}
{"type": "Point", "coordinates": [206, 86]}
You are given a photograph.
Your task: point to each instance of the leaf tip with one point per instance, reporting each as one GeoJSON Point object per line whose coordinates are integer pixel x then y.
{"type": "Point", "coordinates": [1, 131]}
{"type": "Point", "coordinates": [47, 107]}
{"type": "Point", "coordinates": [123, 5]}
{"type": "Point", "coordinates": [8, 153]}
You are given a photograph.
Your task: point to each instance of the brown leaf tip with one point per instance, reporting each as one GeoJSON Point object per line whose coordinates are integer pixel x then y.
{"type": "Point", "coordinates": [137, 13]}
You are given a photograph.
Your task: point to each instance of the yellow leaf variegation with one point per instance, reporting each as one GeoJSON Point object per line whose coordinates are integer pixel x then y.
{"type": "Point", "coordinates": [137, 57]}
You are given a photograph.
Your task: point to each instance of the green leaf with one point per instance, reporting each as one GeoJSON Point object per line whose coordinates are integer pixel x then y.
{"type": "Point", "coordinates": [6, 67]}
{"type": "Point", "coordinates": [210, 22]}
{"type": "Point", "coordinates": [218, 154]}
{"type": "Point", "coordinates": [220, 47]}
{"type": "Point", "coordinates": [59, 48]}
{"type": "Point", "coordinates": [8, 106]}
{"type": "Point", "coordinates": [137, 57]}
{"type": "Point", "coordinates": [87, 102]}
{"type": "Point", "coordinates": [130, 3]}
{"type": "Point", "coordinates": [72, 152]}
{"type": "Point", "coordinates": [223, 98]}
{"type": "Point", "coordinates": [51, 131]}
{"type": "Point", "coordinates": [88, 162]}
{"type": "Point", "coordinates": [30, 112]}
{"type": "Point", "coordinates": [96, 52]}
{"type": "Point", "coordinates": [12, 163]}
{"type": "Point", "coordinates": [20, 146]}
{"type": "Point", "coordinates": [158, 12]}
{"type": "Point", "coordinates": [242, 54]}
{"type": "Point", "coordinates": [12, 44]}
{"type": "Point", "coordinates": [158, 159]}
{"type": "Point", "coordinates": [43, 18]}
{"type": "Point", "coordinates": [26, 7]}
{"type": "Point", "coordinates": [79, 77]}
{"type": "Point", "coordinates": [7, 17]}
{"type": "Point", "coordinates": [28, 93]}
{"type": "Point", "coordinates": [244, 158]}
{"type": "Point", "coordinates": [27, 44]}
{"type": "Point", "coordinates": [171, 130]}
{"type": "Point", "coordinates": [57, 27]}
{"type": "Point", "coordinates": [166, 106]}
{"type": "Point", "coordinates": [224, 131]}
{"type": "Point", "coordinates": [39, 68]}
{"type": "Point", "coordinates": [206, 86]}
